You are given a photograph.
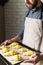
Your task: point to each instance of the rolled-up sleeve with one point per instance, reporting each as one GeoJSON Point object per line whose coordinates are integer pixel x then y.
{"type": "Point", "coordinates": [20, 34]}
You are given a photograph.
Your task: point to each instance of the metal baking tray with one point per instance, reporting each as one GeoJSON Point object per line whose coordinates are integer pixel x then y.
{"type": "Point", "coordinates": [6, 62]}
{"type": "Point", "coordinates": [33, 49]}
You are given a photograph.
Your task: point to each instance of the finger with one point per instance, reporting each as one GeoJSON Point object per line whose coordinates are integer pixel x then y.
{"type": "Point", "coordinates": [2, 44]}
{"type": "Point", "coordinates": [30, 61]}
{"type": "Point", "coordinates": [33, 55]}
{"type": "Point", "coordinates": [6, 42]}
{"type": "Point", "coordinates": [25, 1]}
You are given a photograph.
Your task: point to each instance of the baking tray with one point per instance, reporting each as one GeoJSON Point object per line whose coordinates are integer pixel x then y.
{"type": "Point", "coordinates": [33, 49]}
{"type": "Point", "coordinates": [4, 61]}
{"type": "Point", "coordinates": [9, 63]}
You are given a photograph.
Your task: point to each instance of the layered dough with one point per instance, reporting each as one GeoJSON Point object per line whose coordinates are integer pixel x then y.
{"type": "Point", "coordinates": [3, 46]}
{"type": "Point", "coordinates": [18, 46]}
{"type": "Point", "coordinates": [6, 49]}
{"type": "Point", "coordinates": [11, 53]}
{"type": "Point", "coordinates": [29, 53]}
{"type": "Point", "coordinates": [17, 58]}
{"type": "Point", "coordinates": [14, 44]}
{"type": "Point", "coordinates": [23, 49]}
{"type": "Point", "coordinates": [15, 52]}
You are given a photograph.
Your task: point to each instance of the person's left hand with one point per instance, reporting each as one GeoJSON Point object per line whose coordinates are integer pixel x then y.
{"type": "Point", "coordinates": [34, 59]}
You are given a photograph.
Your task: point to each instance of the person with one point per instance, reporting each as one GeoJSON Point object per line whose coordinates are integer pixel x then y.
{"type": "Point", "coordinates": [32, 32]}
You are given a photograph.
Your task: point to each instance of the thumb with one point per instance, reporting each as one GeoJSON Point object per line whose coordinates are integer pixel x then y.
{"type": "Point", "coordinates": [33, 56]}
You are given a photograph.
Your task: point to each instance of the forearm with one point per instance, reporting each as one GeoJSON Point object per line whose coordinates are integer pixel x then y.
{"type": "Point", "coordinates": [19, 37]}
{"type": "Point", "coordinates": [16, 38]}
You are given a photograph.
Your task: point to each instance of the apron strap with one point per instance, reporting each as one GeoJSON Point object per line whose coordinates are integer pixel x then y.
{"type": "Point", "coordinates": [42, 27]}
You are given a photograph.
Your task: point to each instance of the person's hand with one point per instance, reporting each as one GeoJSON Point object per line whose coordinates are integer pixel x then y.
{"type": "Point", "coordinates": [6, 42]}
{"type": "Point", "coordinates": [34, 59]}
{"type": "Point", "coordinates": [26, 1]}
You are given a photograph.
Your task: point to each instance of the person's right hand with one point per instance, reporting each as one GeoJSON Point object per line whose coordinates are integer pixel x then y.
{"type": "Point", "coordinates": [6, 42]}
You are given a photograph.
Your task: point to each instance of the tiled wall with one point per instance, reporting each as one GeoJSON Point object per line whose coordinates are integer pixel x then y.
{"type": "Point", "coordinates": [2, 30]}
{"type": "Point", "coordinates": [15, 11]}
